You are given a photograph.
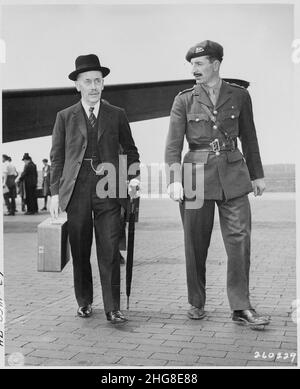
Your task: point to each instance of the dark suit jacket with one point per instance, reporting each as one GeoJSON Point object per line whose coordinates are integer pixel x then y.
{"type": "Point", "coordinates": [46, 180]}
{"type": "Point", "coordinates": [231, 172]}
{"type": "Point", "coordinates": [29, 175]}
{"type": "Point", "coordinates": [69, 142]}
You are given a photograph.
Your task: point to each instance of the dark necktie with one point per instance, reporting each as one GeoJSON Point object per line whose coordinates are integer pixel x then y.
{"type": "Point", "coordinates": [92, 117]}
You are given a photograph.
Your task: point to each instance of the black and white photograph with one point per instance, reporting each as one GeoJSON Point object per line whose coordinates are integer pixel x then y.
{"type": "Point", "coordinates": [149, 156]}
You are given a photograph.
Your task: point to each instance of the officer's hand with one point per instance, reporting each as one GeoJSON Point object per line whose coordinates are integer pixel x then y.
{"type": "Point", "coordinates": [175, 191]}
{"type": "Point", "coordinates": [54, 206]}
{"type": "Point", "coordinates": [134, 188]}
{"type": "Point", "coordinates": [258, 186]}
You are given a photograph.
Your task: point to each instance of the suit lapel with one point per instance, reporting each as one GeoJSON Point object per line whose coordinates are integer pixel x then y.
{"type": "Point", "coordinates": [103, 122]}
{"type": "Point", "coordinates": [79, 119]}
{"type": "Point", "coordinates": [202, 96]}
{"type": "Point", "coordinates": [104, 118]}
{"type": "Point", "coordinates": [225, 94]}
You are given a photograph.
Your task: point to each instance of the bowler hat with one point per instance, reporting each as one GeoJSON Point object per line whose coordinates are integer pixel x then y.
{"type": "Point", "coordinates": [85, 63]}
{"type": "Point", "coordinates": [207, 47]}
{"type": "Point", "coordinates": [26, 156]}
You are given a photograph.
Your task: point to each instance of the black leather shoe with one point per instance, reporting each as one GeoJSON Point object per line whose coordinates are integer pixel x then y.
{"type": "Point", "coordinates": [116, 317]}
{"type": "Point", "coordinates": [85, 311]}
{"type": "Point", "coordinates": [195, 313]}
{"type": "Point", "coordinates": [249, 317]}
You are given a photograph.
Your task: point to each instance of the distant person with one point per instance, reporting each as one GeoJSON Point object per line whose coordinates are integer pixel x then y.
{"type": "Point", "coordinates": [46, 182]}
{"type": "Point", "coordinates": [84, 136]}
{"type": "Point", "coordinates": [212, 115]}
{"type": "Point", "coordinates": [29, 177]}
{"type": "Point", "coordinates": [21, 193]}
{"type": "Point", "coordinates": [9, 180]}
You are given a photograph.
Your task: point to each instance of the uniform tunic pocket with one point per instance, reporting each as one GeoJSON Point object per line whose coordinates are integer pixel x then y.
{"type": "Point", "coordinates": [229, 119]}
{"type": "Point", "coordinates": [197, 117]}
{"type": "Point", "coordinates": [198, 127]}
{"type": "Point", "coordinates": [234, 156]}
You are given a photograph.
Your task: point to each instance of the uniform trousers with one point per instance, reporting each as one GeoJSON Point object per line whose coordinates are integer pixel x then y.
{"type": "Point", "coordinates": [85, 211]}
{"type": "Point", "coordinates": [235, 223]}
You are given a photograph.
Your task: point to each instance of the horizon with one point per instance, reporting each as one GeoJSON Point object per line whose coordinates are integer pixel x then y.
{"type": "Point", "coordinates": [153, 49]}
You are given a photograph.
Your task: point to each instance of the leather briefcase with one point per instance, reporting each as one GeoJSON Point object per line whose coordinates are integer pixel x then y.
{"type": "Point", "coordinates": [53, 244]}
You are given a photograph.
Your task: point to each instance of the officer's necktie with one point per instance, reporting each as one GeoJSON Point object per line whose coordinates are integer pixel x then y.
{"type": "Point", "coordinates": [212, 95]}
{"type": "Point", "coordinates": [92, 117]}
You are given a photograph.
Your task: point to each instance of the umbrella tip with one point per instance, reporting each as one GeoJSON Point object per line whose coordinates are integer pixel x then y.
{"type": "Point", "coordinates": [127, 302]}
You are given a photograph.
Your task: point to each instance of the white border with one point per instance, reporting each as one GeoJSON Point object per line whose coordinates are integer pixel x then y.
{"type": "Point", "coordinates": [296, 91]}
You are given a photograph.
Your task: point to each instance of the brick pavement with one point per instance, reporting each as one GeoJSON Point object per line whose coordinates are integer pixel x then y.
{"type": "Point", "coordinates": [41, 321]}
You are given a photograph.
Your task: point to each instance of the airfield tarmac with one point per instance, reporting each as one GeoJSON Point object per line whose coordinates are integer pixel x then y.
{"type": "Point", "coordinates": [42, 328]}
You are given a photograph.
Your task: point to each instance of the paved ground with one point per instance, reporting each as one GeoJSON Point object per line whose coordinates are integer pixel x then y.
{"type": "Point", "coordinates": [42, 328]}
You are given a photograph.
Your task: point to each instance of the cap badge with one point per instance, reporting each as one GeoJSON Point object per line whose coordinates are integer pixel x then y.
{"type": "Point", "coordinates": [199, 49]}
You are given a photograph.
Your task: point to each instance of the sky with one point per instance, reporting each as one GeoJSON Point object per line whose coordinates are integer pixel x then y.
{"type": "Point", "coordinates": [148, 43]}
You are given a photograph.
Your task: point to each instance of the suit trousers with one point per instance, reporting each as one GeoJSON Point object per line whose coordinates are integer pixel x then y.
{"type": "Point", "coordinates": [31, 199]}
{"type": "Point", "coordinates": [10, 200]}
{"type": "Point", "coordinates": [235, 223]}
{"type": "Point", "coordinates": [84, 211]}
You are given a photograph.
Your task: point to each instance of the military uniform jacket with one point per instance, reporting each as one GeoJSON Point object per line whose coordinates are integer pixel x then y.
{"type": "Point", "coordinates": [229, 173]}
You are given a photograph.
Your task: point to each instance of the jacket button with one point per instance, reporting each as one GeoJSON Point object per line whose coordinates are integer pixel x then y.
{"type": "Point", "coordinates": [197, 119]}
{"type": "Point", "coordinates": [215, 127]}
{"type": "Point", "coordinates": [232, 116]}
{"type": "Point", "coordinates": [215, 112]}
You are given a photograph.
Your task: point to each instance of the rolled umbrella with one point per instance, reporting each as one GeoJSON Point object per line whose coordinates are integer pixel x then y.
{"type": "Point", "coordinates": [131, 217]}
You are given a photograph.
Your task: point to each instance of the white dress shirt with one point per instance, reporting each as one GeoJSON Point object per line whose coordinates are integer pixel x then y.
{"type": "Point", "coordinates": [87, 108]}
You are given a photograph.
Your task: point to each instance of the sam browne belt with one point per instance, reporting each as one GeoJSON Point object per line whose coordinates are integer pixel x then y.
{"type": "Point", "coordinates": [214, 146]}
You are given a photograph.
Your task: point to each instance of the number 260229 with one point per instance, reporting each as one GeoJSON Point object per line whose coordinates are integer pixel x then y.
{"type": "Point", "coordinates": [275, 356]}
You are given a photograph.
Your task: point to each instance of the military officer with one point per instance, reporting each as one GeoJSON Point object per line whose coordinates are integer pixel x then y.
{"type": "Point", "coordinates": [212, 115]}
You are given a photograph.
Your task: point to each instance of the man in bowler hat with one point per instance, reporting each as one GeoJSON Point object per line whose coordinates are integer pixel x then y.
{"type": "Point", "coordinates": [212, 115]}
{"type": "Point", "coordinates": [45, 182]}
{"type": "Point", "coordinates": [86, 138]}
{"type": "Point", "coordinates": [29, 178]}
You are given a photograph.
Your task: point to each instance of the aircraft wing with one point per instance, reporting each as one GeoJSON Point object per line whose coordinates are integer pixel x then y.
{"type": "Point", "coordinates": [31, 113]}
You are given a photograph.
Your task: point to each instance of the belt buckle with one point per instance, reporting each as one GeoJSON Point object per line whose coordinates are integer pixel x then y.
{"type": "Point", "coordinates": [215, 145]}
